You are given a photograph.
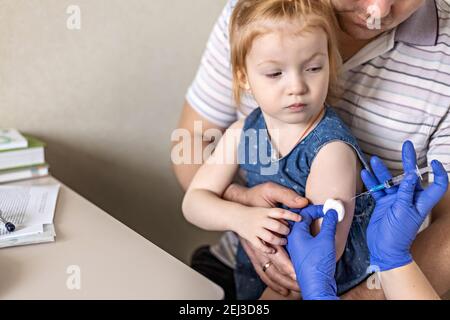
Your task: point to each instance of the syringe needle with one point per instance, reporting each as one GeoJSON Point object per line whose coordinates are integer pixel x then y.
{"type": "Point", "coordinates": [359, 195]}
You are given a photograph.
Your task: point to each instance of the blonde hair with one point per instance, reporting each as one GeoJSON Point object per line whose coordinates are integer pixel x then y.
{"type": "Point", "coordinates": [250, 17]}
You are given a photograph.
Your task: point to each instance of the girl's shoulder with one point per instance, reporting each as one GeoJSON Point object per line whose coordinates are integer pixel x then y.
{"type": "Point", "coordinates": [254, 120]}
{"type": "Point", "coordinates": [332, 128]}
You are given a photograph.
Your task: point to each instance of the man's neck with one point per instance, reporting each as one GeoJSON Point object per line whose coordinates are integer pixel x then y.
{"type": "Point", "coordinates": [349, 46]}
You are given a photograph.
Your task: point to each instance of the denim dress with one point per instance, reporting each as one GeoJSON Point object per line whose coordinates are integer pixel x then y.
{"type": "Point", "coordinates": [259, 165]}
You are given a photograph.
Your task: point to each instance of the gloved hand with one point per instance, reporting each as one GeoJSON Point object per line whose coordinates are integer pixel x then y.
{"type": "Point", "coordinates": [314, 258]}
{"type": "Point", "coordinates": [400, 211]}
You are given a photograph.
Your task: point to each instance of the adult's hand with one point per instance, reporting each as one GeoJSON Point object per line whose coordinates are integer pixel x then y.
{"type": "Point", "coordinates": [266, 195]}
{"type": "Point", "coordinates": [280, 275]}
{"type": "Point", "coordinates": [400, 211]}
{"type": "Point", "coordinates": [314, 258]}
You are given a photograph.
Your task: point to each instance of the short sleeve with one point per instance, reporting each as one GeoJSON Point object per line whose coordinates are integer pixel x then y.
{"type": "Point", "coordinates": [210, 94]}
{"type": "Point", "coordinates": [439, 147]}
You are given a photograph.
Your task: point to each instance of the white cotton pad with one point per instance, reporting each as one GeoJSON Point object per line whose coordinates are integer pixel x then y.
{"type": "Point", "coordinates": [336, 205]}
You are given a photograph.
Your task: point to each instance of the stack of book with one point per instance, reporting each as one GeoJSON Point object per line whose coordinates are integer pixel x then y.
{"type": "Point", "coordinates": [21, 157]}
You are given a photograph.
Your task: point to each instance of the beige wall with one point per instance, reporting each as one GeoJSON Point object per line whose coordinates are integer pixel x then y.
{"type": "Point", "coordinates": [106, 98]}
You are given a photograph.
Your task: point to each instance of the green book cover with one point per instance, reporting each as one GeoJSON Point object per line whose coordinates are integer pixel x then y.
{"type": "Point", "coordinates": [9, 170]}
{"type": "Point", "coordinates": [32, 143]}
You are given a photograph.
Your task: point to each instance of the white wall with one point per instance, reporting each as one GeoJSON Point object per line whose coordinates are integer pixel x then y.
{"type": "Point", "coordinates": [106, 99]}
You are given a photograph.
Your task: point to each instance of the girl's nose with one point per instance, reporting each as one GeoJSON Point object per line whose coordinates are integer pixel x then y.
{"type": "Point", "coordinates": [297, 86]}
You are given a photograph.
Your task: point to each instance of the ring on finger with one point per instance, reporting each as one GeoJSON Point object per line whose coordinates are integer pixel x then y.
{"type": "Point", "coordinates": [266, 266]}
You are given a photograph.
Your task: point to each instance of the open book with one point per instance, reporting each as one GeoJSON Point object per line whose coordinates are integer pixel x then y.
{"type": "Point", "coordinates": [31, 209]}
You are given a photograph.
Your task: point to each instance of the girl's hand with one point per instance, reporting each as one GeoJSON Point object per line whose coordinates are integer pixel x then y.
{"type": "Point", "coordinates": [263, 227]}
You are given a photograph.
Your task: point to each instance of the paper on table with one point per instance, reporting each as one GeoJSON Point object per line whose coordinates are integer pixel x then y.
{"type": "Point", "coordinates": [22, 231]}
{"type": "Point", "coordinates": [47, 235]}
{"type": "Point", "coordinates": [29, 208]}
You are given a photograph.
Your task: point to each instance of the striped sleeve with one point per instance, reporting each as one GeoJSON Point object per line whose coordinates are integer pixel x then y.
{"type": "Point", "coordinates": [439, 147]}
{"type": "Point", "coordinates": [210, 94]}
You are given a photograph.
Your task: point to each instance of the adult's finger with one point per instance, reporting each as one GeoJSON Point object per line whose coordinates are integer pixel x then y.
{"type": "Point", "coordinates": [382, 173]}
{"type": "Point", "coordinates": [282, 261]}
{"type": "Point", "coordinates": [329, 224]}
{"type": "Point", "coordinates": [409, 159]}
{"type": "Point", "coordinates": [370, 181]}
{"type": "Point", "coordinates": [407, 187]}
{"type": "Point", "coordinates": [301, 230]}
{"type": "Point", "coordinates": [258, 260]}
{"type": "Point", "coordinates": [435, 191]}
{"type": "Point", "coordinates": [261, 245]}
{"type": "Point", "coordinates": [270, 283]}
{"type": "Point", "coordinates": [312, 212]}
{"type": "Point", "coordinates": [281, 279]}
{"type": "Point", "coordinates": [288, 197]}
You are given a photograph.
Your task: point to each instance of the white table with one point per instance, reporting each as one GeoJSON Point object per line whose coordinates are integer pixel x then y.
{"type": "Point", "coordinates": [114, 261]}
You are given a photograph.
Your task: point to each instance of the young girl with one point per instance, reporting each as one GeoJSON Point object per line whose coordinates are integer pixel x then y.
{"type": "Point", "coordinates": [284, 54]}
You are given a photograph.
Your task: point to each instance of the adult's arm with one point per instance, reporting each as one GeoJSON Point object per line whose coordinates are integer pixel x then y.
{"type": "Point", "coordinates": [199, 129]}
{"type": "Point", "coordinates": [407, 283]}
{"type": "Point", "coordinates": [208, 108]}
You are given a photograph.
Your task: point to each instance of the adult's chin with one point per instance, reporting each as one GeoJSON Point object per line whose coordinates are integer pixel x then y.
{"type": "Point", "coordinates": [359, 32]}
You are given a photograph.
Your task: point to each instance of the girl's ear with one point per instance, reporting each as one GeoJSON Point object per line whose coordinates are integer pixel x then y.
{"type": "Point", "coordinates": [243, 81]}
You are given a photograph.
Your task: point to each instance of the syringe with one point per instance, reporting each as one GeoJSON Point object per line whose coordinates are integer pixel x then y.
{"type": "Point", "coordinates": [395, 181]}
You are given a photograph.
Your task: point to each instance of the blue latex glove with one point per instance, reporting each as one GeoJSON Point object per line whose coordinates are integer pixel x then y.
{"type": "Point", "coordinates": [314, 258]}
{"type": "Point", "coordinates": [400, 211]}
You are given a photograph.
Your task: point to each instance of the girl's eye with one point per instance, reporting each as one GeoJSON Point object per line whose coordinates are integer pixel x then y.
{"type": "Point", "coordinates": [314, 69]}
{"type": "Point", "coordinates": [273, 75]}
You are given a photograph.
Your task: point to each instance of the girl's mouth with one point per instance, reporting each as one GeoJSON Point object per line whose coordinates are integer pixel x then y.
{"type": "Point", "coordinates": [297, 107]}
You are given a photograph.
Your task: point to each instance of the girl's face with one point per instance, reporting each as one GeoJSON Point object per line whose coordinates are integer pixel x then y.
{"type": "Point", "coordinates": [288, 74]}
